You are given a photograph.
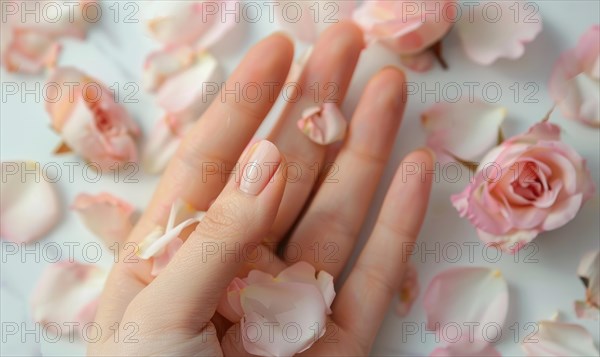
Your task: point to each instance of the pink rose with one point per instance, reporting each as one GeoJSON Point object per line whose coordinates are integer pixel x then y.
{"type": "Point", "coordinates": [30, 34]}
{"type": "Point", "coordinates": [529, 184]}
{"type": "Point", "coordinates": [92, 124]}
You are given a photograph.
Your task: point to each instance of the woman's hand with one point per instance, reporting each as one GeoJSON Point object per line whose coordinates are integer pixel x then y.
{"type": "Point", "coordinates": [174, 313]}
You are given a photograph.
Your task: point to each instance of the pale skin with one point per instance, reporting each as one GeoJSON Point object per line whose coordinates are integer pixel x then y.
{"type": "Point", "coordinates": [175, 313]}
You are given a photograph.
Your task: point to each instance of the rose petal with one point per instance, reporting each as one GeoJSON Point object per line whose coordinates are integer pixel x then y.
{"type": "Point", "coordinates": [323, 125]}
{"type": "Point", "coordinates": [464, 296]}
{"type": "Point", "coordinates": [492, 32]}
{"type": "Point", "coordinates": [162, 144]}
{"type": "Point", "coordinates": [200, 24]}
{"type": "Point", "coordinates": [105, 215]}
{"type": "Point", "coordinates": [186, 90]}
{"type": "Point", "coordinates": [421, 62]}
{"type": "Point", "coordinates": [574, 84]}
{"type": "Point", "coordinates": [589, 273]}
{"type": "Point", "coordinates": [29, 203]}
{"type": "Point", "coordinates": [302, 19]}
{"type": "Point", "coordinates": [67, 292]}
{"type": "Point", "coordinates": [163, 64]}
{"type": "Point", "coordinates": [464, 130]}
{"type": "Point", "coordinates": [560, 339]}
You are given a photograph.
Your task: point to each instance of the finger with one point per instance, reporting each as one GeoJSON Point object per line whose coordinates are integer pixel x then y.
{"type": "Point", "coordinates": [379, 269]}
{"type": "Point", "coordinates": [198, 171]}
{"type": "Point", "coordinates": [331, 225]}
{"type": "Point", "coordinates": [186, 294]}
{"type": "Point", "coordinates": [325, 78]}
{"type": "Point", "coordinates": [216, 140]}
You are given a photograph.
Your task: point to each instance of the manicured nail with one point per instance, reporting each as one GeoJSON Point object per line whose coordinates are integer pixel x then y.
{"type": "Point", "coordinates": [263, 161]}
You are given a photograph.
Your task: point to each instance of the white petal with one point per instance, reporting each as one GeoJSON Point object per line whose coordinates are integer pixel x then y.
{"type": "Point", "coordinates": [560, 339]}
{"type": "Point", "coordinates": [29, 203]}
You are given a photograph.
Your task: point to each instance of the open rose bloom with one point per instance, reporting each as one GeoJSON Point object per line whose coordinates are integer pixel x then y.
{"type": "Point", "coordinates": [297, 296]}
{"type": "Point", "coordinates": [529, 184]}
{"type": "Point", "coordinates": [30, 39]}
{"type": "Point", "coordinates": [90, 121]}
{"type": "Point", "coordinates": [575, 81]}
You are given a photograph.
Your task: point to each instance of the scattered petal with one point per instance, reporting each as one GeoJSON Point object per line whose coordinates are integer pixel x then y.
{"type": "Point", "coordinates": [463, 297]}
{"type": "Point", "coordinates": [589, 273]}
{"type": "Point", "coordinates": [463, 130]}
{"type": "Point", "coordinates": [68, 292]}
{"type": "Point", "coordinates": [163, 64]}
{"type": "Point", "coordinates": [307, 19]}
{"type": "Point", "coordinates": [488, 35]}
{"type": "Point", "coordinates": [163, 242]}
{"type": "Point", "coordinates": [575, 81]}
{"type": "Point", "coordinates": [29, 203]}
{"type": "Point", "coordinates": [323, 125]}
{"type": "Point", "coordinates": [297, 296]}
{"type": "Point", "coordinates": [560, 339]}
{"type": "Point", "coordinates": [105, 215]}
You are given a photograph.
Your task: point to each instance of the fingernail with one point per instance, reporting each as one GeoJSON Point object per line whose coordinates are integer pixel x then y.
{"type": "Point", "coordinates": [263, 161]}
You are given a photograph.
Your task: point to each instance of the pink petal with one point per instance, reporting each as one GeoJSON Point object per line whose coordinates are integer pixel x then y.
{"type": "Point", "coordinates": [302, 21]}
{"type": "Point", "coordinates": [197, 24]}
{"type": "Point", "coordinates": [560, 339]}
{"type": "Point", "coordinates": [563, 212]}
{"type": "Point", "coordinates": [161, 145]}
{"type": "Point", "coordinates": [29, 202]}
{"type": "Point", "coordinates": [486, 39]}
{"type": "Point", "coordinates": [162, 64]}
{"type": "Point", "coordinates": [323, 125]}
{"type": "Point", "coordinates": [589, 273]}
{"type": "Point", "coordinates": [421, 62]}
{"type": "Point", "coordinates": [187, 90]}
{"type": "Point", "coordinates": [510, 242]}
{"type": "Point", "coordinates": [162, 260]}
{"type": "Point", "coordinates": [230, 305]}
{"type": "Point", "coordinates": [574, 82]}
{"type": "Point", "coordinates": [400, 25]}
{"type": "Point", "coordinates": [463, 130]}
{"type": "Point", "coordinates": [465, 296]}
{"type": "Point", "coordinates": [105, 215]}
{"type": "Point", "coordinates": [68, 292]}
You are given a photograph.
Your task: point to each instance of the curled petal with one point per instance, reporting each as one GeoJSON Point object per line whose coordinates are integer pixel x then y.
{"type": "Point", "coordinates": [163, 242]}
{"type": "Point", "coordinates": [161, 145]}
{"type": "Point", "coordinates": [560, 339]}
{"type": "Point", "coordinates": [200, 24]}
{"type": "Point", "coordinates": [589, 273]}
{"type": "Point", "coordinates": [297, 296]}
{"type": "Point", "coordinates": [575, 81]}
{"type": "Point", "coordinates": [68, 292]}
{"type": "Point", "coordinates": [487, 35]}
{"type": "Point", "coordinates": [463, 130]}
{"type": "Point", "coordinates": [29, 203]}
{"type": "Point", "coordinates": [163, 64]}
{"type": "Point", "coordinates": [466, 297]}
{"type": "Point", "coordinates": [105, 215]}
{"type": "Point", "coordinates": [323, 125]}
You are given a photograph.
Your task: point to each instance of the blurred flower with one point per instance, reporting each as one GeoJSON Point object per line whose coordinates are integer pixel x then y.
{"type": "Point", "coordinates": [30, 35]}
{"type": "Point", "coordinates": [470, 299]}
{"type": "Point", "coordinates": [529, 184]}
{"type": "Point", "coordinates": [323, 125]}
{"type": "Point", "coordinates": [199, 24]}
{"type": "Point", "coordinates": [464, 130]}
{"type": "Point", "coordinates": [296, 295]}
{"type": "Point", "coordinates": [184, 96]}
{"type": "Point", "coordinates": [105, 215]}
{"type": "Point", "coordinates": [402, 26]}
{"type": "Point", "coordinates": [307, 19]}
{"type": "Point", "coordinates": [589, 273]}
{"type": "Point", "coordinates": [89, 119]}
{"type": "Point", "coordinates": [29, 203]}
{"type": "Point", "coordinates": [575, 81]}
{"type": "Point", "coordinates": [163, 242]}
{"type": "Point", "coordinates": [554, 338]}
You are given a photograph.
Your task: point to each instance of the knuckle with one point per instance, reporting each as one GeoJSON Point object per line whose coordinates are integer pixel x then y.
{"type": "Point", "coordinates": [224, 219]}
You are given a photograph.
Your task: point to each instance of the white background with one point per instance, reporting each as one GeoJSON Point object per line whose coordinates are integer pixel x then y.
{"type": "Point", "coordinates": [115, 52]}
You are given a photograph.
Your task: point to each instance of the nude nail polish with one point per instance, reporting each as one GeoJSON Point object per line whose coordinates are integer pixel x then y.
{"type": "Point", "coordinates": [263, 160]}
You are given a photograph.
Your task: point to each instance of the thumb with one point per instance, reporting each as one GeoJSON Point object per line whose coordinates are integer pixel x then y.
{"type": "Point", "coordinates": [187, 292]}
